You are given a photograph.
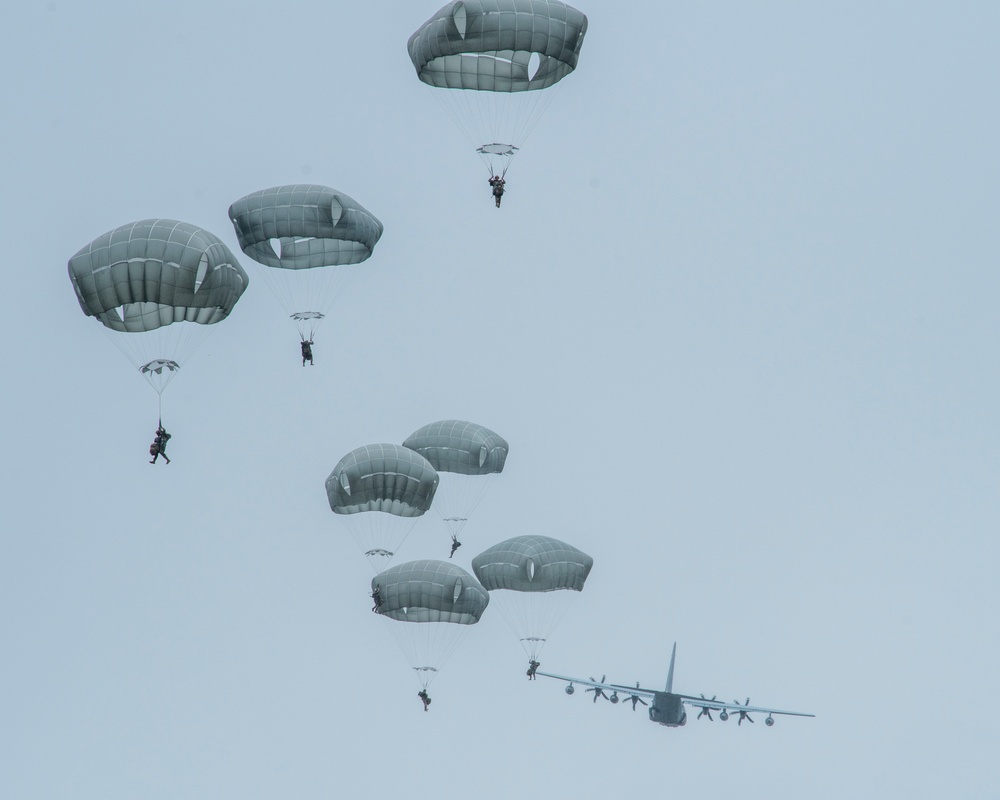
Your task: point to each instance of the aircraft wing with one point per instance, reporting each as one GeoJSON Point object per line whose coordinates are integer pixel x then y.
{"type": "Point", "coordinates": [718, 705]}
{"type": "Point", "coordinates": [607, 687]}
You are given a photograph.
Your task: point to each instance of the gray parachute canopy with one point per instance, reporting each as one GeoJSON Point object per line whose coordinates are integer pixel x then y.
{"type": "Point", "coordinates": [489, 45]}
{"type": "Point", "coordinates": [316, 225]}
{"type": "Point", "coordinates": [532, 564]}
{"type": "Point", "coordinates": [152, 273]}
{"type": "Point", "coordinates": [382, 477]}
{"type": "Point", "coordinates": [453, 445]}
{"type": "Point", "coordinates": [430, 591]}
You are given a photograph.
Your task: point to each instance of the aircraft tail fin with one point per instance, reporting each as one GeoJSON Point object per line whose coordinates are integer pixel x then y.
{"type": "Point", "coordinates": [670, 672]}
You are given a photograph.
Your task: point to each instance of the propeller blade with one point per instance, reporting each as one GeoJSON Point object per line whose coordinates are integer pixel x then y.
{"type": "Point", "coordinates": [705, 710]}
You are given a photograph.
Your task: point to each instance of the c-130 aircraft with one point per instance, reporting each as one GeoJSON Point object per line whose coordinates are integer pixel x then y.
{"type": "Point", "coordinates": [666, 707]}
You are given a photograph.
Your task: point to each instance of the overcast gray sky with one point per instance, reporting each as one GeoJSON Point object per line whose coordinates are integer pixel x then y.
{"type": "Point", "coordinates": [737, 319]}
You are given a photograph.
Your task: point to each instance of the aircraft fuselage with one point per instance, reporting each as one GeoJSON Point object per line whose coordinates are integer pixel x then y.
{"type": "Point", "coordinates": [667, 709]}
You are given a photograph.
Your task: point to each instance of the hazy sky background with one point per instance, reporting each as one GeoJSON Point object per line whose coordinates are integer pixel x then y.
{"type": "Point", "coordinates": [737, 319]}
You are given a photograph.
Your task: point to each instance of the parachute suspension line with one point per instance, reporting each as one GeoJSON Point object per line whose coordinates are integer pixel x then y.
{"type": "Point", "coordinates": [378, 534]}
{"type": "Point", "coordinates": [450, 109]}
{"type": "Point", "coordinates": [172, 344]}
{"type": "Point", "coordinates": [499, 114]}
{"type": "Point", "coordinates": [308, 291]}
{"type": "Point", "coordinates": [466, 112]}
{"type": "Point", "coordinates": [408, 642]}
{"type": "Point", "coordinates": [491, 161]}
{"type": "Point", "coordinates": [426, 646]}
{"type": "Point", "coordinates": [313, 324]}
{"type": "Point", "coordinates": [489, 165]}
{"type": "Point", "coordinates": [485, 117]}
{"type": "Point", "coordinates": [539, 107]}
{"type": "Point", "coordinates": [397, 637]}
{"type": "Point", "coordinates": [137, 350]}
{"type": "Point", "coordinates": [514, 115]}
{"type": "Point", "coordinates": [458, 496]}
{"type": "Point", "coordinates": [533, 616]}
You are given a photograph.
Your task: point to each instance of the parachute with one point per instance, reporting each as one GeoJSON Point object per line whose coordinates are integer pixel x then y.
{"type": "Point", "coordinates": [533, 579]}
{"type": "Point", "coordinates": [428, 606]}
{"type": "Point", "coordinates": [380, 490]}
{"type": "Point", "coordinates": [156, 286]}
{"type": "Point", "coordinates": [496, 56]}
{"type": "Point", "coordinates": [471, 454]}
{"type": "Point", "coordinates": [311, 239]}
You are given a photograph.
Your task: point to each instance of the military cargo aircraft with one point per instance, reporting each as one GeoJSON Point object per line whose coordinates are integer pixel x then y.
{"type": "Point", "coordinates": [667, 707]}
